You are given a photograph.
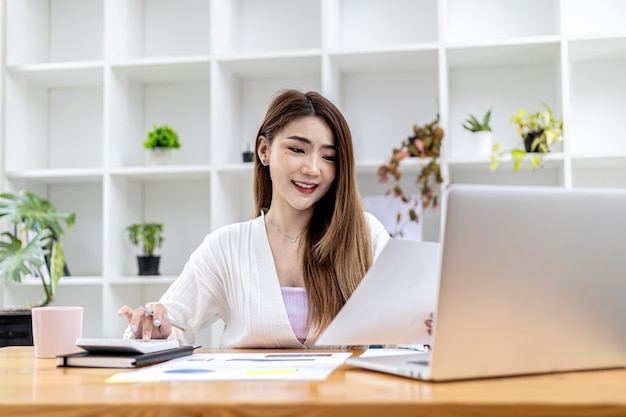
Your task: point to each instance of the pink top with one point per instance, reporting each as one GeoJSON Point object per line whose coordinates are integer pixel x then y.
{"type": "Point", "coordinates": [297, 307]}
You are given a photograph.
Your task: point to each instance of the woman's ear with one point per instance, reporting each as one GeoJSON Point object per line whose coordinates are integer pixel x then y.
{"type": "Point", "coordinates": [262, 149]}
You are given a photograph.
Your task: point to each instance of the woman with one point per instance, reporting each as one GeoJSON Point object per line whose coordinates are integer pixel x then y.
{"type": "Point", "coordinates": [279, 279]}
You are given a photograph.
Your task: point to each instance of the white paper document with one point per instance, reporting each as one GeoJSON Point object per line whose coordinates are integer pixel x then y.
{"type": "Point", "coordinates": [393, 301]}
{"type": "Point", "coordinates": [297, 366]}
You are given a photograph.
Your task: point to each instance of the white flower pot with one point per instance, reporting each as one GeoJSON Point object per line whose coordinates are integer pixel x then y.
{"type": "Point", "coordinates": [483, 143]}
{"type": "Point", "coordinates": [160, 156]}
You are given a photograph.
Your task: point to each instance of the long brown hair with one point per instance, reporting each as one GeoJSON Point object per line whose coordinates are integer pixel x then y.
{"type": "Point", "coordinates": [337, 247]}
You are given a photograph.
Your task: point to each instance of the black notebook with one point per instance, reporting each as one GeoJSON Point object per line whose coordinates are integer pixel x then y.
{"type": "Point", "coordinates": [121, 360]}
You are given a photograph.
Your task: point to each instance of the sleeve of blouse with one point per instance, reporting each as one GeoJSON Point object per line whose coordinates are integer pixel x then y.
{"type": "Point", "coordinates": [196, 298]}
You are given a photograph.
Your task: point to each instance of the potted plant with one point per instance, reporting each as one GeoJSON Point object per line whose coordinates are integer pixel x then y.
{"type": "Point", "coordinates": [31, 246]}
{"type": "Point", "coordinates": [149, 236]}
{"type": "Point", "coordinates": [247, 155]}
{"type": "Point", "coordinates": [481, 132]}
{"type": "Point", "coordinates": [538, 131]}
{"type": "Point", "coordinates": [160, 141]}
{"type": "Point", "coordinates": [425, 142]}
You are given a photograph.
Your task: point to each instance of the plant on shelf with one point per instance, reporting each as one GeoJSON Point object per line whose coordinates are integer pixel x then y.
{"type": "Point", "coordinates": [148, 236]}
{"type": "Point", "coordinates": [162, 137]}
{"type": "Point", "coordinates": [425, 142]}
{"type": "Point", "coordinates": [481, 132]}
{"type": "Point", "coordinates": [538, 132]}
{"type": "Point", "coordinates": [247, 155]}
{"type": "Point", "coordinates": [33, 245]}
{"type": "Point", "coordinates": [474, 125]}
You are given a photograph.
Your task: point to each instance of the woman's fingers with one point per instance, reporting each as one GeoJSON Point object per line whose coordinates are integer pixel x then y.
{"type": "Point", "coordinates": [429, 324]}
{"type": "Point", "coordinates": [125, 311]}
{"type": "Point", "coordinates": [147, 326]}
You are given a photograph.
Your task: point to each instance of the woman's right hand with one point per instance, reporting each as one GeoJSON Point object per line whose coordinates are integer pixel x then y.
{"type": "Point", "coordinates": [144, 326]}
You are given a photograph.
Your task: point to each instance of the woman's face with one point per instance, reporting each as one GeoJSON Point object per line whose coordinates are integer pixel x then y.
{"type": "Point", "coordinates": [302, 163]}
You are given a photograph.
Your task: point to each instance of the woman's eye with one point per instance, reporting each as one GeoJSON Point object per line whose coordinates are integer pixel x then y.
{"type": "Point", "coordinates": [296, 150]}
{"type": "Point", "coordinates": [330, 158]}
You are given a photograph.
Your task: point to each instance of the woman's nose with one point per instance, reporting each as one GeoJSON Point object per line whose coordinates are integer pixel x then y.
{"type": "Point", "coordinates": [311, 166]}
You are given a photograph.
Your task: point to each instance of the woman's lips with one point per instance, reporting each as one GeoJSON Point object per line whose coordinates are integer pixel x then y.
{"type": "Point", "coordinates": [305, 187]}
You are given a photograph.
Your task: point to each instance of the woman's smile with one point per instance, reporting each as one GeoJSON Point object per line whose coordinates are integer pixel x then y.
{"type": "Point", "coordinates": [303, 187]}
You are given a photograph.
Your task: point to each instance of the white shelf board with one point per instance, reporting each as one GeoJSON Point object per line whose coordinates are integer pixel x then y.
{"type": "Point", "coordinates": [65, 74]}
{"type": "Point", "coordinates": [274, 65]}
{"type": "Point", "coordinates": [64, 281]}
{"type": "Point", "coordinates": [396, 59]}
{"type": "Point", "coordinates": [54, 176]}
{"type": "Point", "coordinates": [409, 165]}
{"type": "Point", "coordinates": [504, 53]}
{"type": "Point", "coordinates": [163, 172]}
{"type": "Point", "coordinates": [154, 70]}
{"type": "Point", "coordinates": [595, 160]}
{"type": "Point", "coordinates": [241, 170]}
{"type": "Point", "coordinates": [598, 49]}
{"type": "Point", "coordinates": [142, 280]}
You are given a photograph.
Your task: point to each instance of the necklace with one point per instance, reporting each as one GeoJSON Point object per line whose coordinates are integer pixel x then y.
{"type": "Point", "coordinates": [292, 239]}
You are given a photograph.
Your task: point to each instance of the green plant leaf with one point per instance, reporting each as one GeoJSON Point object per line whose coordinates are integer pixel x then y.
{"type": "Point", "coordinates": [147, 235]}
{"type": "Point", "coordinates": [535, 161]}
{"type": "Point", "coordinates": [486, 119]}
{"type": "Point", "coordinates": [34, 211]}
{"type": "Point", "coordinates": [518, 154]}
{"type": "Point", "coordinates": [57, 263]}
{"type": "Point", "coordinates": [162, 137]}
{"type": "Point", "coordinates": [17, 259]}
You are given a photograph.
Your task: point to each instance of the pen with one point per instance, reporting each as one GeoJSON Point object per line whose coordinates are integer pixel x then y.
{"type": "Point", "coordinates": [172, 322]}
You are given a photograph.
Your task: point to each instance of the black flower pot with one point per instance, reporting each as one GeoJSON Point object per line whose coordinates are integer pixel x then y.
{"type": "Point", "coordinates": [528, 142]}
{"type": "Point", "coordinates": [16, 328]}
{"type": "Point", "coordinates": [247, 156]}
{"type": "Point", "coordinates": [148, 265]}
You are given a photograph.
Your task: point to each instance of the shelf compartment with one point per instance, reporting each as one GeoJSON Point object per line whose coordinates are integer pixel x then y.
{"type": "Point", "coordinates": [82, 244]}
{"type": "Point", "coordinates": [137, 104]}
{"type": "Point", "coordinates": [480, 78]}
{"type": "Point", "coordinates": [87, 295]}
{"type": "Point", "coordinates": [550, 174]}
{"type": "Point", "coordinates": [54, 31]}
{"type": "Point", "coordinates": [182, 205]}
{"type": "Point", "coordinates": [382, 102]}
{"type": "Point", "coordinates": [600, 17]}
{"type": "Point", "coordinates": [156, 28]}
{"type": "Point", "coordinates": [236, 202]}
{"type": "Point", "coordinates": [501, 19]}
{"type": "Point", "coordinates": [599, 172]}
{"type": "Point", "coordinates": [63, 125]}
{"type": "Point", "coordinates": [252, 27]}
{"type": "Point", "coordinates": [243, 91]}
{"type": "Point", "coordinates": [369, 24]}
{"type": "Point", "coordinates": [598, 96]}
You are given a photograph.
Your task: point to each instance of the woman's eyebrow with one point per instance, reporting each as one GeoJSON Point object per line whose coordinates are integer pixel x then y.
{"type": "Point", "coordinates": [308, 141]}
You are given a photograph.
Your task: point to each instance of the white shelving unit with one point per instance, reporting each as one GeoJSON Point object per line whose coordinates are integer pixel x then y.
{"type": "Point", "coordinates": [85, 79]}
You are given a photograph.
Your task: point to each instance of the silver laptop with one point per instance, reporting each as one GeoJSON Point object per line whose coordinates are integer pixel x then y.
{"type": "Point", "coordinates": [532, 280]}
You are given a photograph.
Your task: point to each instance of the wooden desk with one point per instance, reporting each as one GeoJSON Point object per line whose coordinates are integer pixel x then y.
{"type": "Point", "coordinates": [30, 386]}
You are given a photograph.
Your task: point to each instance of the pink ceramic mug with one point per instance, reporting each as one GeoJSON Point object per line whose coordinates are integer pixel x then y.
{"type": "Point", "coordinates": [55, 330]}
